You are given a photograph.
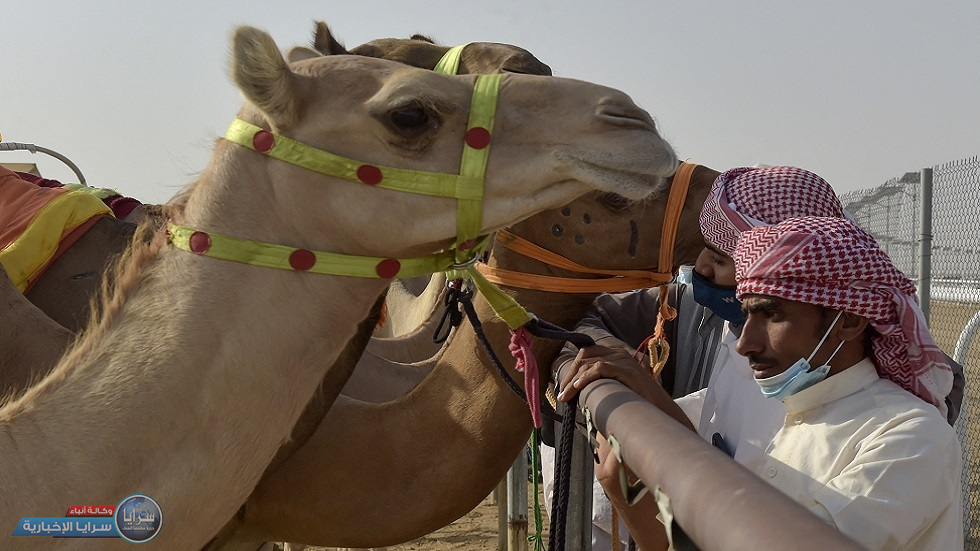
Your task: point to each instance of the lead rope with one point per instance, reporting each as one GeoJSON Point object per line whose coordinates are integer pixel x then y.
{"type": "Point", "coordinates": [658, 346]}
{"type": "Point", "coordinates": [481, 336]}
{"type": "Point", "coordinates": [536, 539]}
{"type": "Point", "coordinates": [520, 348]}
{"type": "Point", "coordinates": [455, 293]}
{"type": "Point", "coordinates": [563, 459]}
{"type": "Point", "coordinates": [563, 468]}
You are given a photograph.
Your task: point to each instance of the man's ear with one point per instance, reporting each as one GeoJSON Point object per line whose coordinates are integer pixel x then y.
{"type": "Point", "coordinates": [852, 326]}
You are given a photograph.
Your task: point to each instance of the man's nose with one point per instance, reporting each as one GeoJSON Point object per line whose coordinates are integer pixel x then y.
{"type": "Point", "coordinates": [749, 342]}
{"type": "Point", "coordinates": [704, 270]}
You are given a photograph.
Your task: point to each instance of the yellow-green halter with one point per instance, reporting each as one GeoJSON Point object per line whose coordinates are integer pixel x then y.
{"type": "Point", "coordinates": [449, 64]}
{"type": "Point", "coordinates": [466, 187]}
{"type": "Point", "coordinates": [503, 304]}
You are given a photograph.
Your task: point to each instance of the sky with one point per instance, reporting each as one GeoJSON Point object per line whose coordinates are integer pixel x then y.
{"type": "Point", "coordinates": [135, 93]}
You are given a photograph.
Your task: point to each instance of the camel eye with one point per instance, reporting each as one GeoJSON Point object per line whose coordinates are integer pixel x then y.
{"type": "Point", "coordinates": [409, 117]}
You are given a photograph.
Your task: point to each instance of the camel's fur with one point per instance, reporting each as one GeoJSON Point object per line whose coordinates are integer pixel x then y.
{"type": "Point", "coordinates": [162, 397]}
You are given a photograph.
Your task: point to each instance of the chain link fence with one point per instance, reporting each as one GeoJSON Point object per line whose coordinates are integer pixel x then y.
{"type": "Point", "coordinates": [893, 213]}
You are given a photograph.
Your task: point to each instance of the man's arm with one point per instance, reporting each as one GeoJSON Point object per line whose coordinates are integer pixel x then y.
{"type": "Point", "coordinates": [640, 518]}
{"type": "Point", "coordinates": [620, 321]}
{"type": "Point", "coordinates": [598, 362]}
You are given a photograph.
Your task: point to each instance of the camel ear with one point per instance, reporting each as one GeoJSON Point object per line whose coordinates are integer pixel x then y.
{"type": "Point", "coordinates": [263, 75]}
{"type": "Point", "coordinates": [325, 43]}
{"type": "Point", "coordinates": [299, 53]}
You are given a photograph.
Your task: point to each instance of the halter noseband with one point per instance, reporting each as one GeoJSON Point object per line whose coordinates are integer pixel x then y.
{"type": "Point", "coordinates": [618, 280]}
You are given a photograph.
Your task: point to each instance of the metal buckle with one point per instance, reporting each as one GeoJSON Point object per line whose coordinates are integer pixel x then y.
{"type": "Point", "coordinates": [468, 264]}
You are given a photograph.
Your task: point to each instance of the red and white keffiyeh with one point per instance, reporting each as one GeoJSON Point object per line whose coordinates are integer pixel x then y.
{"type": "Point", "coordinates": [831, 262]}
{"type": "Point", "coordinates": [747, 197]}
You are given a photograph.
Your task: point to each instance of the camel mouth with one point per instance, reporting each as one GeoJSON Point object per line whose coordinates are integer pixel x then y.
{"type": "Point", "coordinates": [635, 177]}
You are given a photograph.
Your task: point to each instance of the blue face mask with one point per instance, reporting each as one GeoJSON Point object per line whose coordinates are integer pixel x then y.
{"type": "Point", "coordinates": [799, 375]}
{"type": "Point", "coordinates": [719, 299]}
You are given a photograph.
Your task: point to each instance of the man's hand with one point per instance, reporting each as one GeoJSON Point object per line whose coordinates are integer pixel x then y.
{"type": "Point", "coordinates": [598, 362]}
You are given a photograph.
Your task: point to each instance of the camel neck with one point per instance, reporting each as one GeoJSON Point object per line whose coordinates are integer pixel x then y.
{"type": "Point", "coordinates": [179, 362]}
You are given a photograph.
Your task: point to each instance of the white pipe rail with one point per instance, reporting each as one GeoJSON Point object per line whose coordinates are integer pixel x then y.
{"type": "Point", "coordinates": [17, 146]}
{"type": "Point", "coordinates": [714, 499]}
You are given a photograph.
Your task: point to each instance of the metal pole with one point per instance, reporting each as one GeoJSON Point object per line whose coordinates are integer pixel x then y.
{"type": "Point", "coordinates": [925, 239]}
{"type": "Point", "coordinates": [500, 496]}
{"type": "Point", "coordinates": [517, 504]}
{"type": "Point", "coordinates": [578, 530]}
{"type": "Point", "coordinates": [13, 146]}
{"type": "Point", "coordinates": [716, 500]}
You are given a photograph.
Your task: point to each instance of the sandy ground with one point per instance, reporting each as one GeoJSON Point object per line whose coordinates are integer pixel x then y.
{"type": "Point", "coordinates": [476, 531]}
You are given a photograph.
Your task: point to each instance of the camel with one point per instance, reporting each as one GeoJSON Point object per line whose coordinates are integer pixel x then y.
{"type": "Point", "coordinates": [376, 474]}
{"type": "Point", "coordinates": [411, 319]}
{"type": "Point", "coordinates": [188, 344]}
{"type": "Point", "coordinates": [64, 291]}
{"type": "Point", "coordinates": [477, 58]}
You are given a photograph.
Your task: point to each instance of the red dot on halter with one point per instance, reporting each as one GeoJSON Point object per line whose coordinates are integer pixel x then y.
{"type": "Point", "coordinates": [263, 141]}
{"type": "Point", "coordinates": [370, 175]}
{"type": "Point", "coordinates": [199, 242]}
{"type": "Point", "coordinates": [388, 268]}
{"type": "Point", "coordinates": [477, 137]}
{"type": "Point", "coordinates": [302, 259]}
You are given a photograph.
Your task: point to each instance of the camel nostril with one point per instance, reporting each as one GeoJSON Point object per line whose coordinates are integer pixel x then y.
{"type": "Point", "coordinates": [623, 112]}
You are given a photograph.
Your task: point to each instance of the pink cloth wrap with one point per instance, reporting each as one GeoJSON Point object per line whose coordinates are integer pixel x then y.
{"type": "Point", "coordinates": [746, 197]}
{"type": "Point", "coordinates": [831, 262]}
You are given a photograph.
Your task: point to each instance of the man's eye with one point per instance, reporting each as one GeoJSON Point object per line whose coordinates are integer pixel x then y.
{"type": "Point", "coordinates": [772, 315]}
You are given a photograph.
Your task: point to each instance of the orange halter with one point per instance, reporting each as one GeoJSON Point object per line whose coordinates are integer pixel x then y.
{"type": "Point", "coordinates": [617, 280]}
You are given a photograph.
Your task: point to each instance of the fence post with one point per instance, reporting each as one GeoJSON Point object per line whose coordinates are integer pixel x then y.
{"type": "Point", "coordinates": [500, 495]}
{"type": "Point", "coordinates": [578, 533]}
{"type": "Point", "coordinates": [517, 504]}
{"type": "Point", "coordinates": [925, 239]}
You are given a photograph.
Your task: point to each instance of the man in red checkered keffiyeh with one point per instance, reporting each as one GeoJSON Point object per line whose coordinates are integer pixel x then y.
{"type": "Point", "coordinates": [831, 262]}
{"type": "Point", "coordinates": [747, 197]}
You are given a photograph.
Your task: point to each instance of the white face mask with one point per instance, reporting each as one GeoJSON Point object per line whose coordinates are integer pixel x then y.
{"type": "Point", "coordinates": [799, 375]}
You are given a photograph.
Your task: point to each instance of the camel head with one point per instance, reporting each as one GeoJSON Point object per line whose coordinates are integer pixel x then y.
{"type": "Point", "coordinates": [551, 140]}
{"type": "Point", "coordinates": [420, 51]}
{"type": "Point", "coordinates": [607, 231]}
